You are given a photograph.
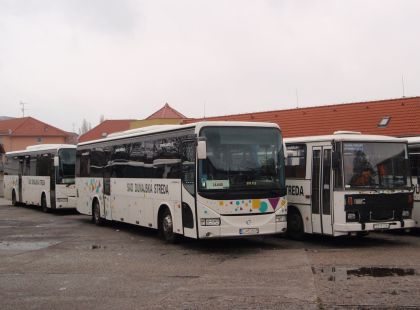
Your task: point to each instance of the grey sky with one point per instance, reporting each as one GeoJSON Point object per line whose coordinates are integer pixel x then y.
{"type": "Point", "coordinates": [78, 59]}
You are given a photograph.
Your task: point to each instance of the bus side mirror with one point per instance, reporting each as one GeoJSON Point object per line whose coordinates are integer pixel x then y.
{"type": "Point", "coordinates": [335, 160]}
{"type": "Point", "coordinates": [285, 151]}
{"type": "Point", "coordinates": [56, 161]}
{"type": "Point", "coordinates": [201, 150]}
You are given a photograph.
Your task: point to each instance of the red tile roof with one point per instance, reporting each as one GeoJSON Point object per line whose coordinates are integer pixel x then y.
{"type": "Point", "coordinates": [404, 116]}
{"type": "Point", "coordinates": [105, 128]}
{"type": "Point", "coordinates": [166, 112]}
{"type": "Point", "coordinates": [28, 127]}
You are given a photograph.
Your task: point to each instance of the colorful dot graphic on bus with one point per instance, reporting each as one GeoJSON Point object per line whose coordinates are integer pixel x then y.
{"type": "Point", "coordinates": [263, 206]}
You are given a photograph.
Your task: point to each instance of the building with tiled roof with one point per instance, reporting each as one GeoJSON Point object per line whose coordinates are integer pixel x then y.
{"type": "Point", "coordinates": [167, 112]}
{"type": "Point", "coordinates": [164, 116]}
{"type": "Point", "coordinates": [18, 133]}
{"type": "Point", "coordinates": [105, 128]}
{"type": "Point", "coordinates": [394, 117]}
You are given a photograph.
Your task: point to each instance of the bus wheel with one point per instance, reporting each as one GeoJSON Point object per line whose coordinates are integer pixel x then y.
{"type": "Point", "coordinates": [166, 227]}
{"type": "Point", "coordinates": [96, 214]}
{"type": "Point", "coordinates": [295, 226]}
{"type": "Point", "coordinates": [44, 207]}
{"type": "Point", "coordinates": [14, 202]}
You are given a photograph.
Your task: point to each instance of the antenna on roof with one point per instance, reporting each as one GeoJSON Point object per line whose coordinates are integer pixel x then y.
{"type": "Point", "coordinates": [23, 108]}
{"type": "Point", "coordinates": [403, 90]}
{"type": "Point", "coordinates": [297, 99]}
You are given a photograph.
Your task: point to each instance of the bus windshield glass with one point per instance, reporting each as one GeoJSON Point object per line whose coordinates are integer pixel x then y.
{"type": "Point", "coordinates": [242, 159]}
{"type": "Point", "coordinates": [67, 166]}
{"type": "Point", "coordinates": [375, 165]}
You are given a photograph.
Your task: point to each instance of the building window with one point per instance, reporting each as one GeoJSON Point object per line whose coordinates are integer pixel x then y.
{"type": "Point", "coordinates": [39, 140]}
{"type": "Point", "coordinates": [384, 121]}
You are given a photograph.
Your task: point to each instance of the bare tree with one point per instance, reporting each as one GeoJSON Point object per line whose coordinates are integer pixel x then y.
{"type": "Point", "coordinates": [86, 126]}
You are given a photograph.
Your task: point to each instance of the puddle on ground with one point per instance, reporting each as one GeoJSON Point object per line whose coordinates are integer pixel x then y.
{"type": "Point", "coordinates": [342, 273]}
{"type": "Point", "coordinates": [25, 246]}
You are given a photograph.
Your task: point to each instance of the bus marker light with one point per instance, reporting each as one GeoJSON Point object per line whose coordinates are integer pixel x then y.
{"type": "Point", "coordinates": [350, 201]}
{"type": "Point", "coordinates": [281, 218]}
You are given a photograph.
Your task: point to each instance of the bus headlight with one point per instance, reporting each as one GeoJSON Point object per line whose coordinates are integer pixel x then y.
{"type": "Point", "coordinates": [406, 214]}
{"type": "Point", "coordinates": [281, 218]}
{"type": "Point", "coordinates": [352, 216]}
{"type": "Point", "coordinates": [210, 222]}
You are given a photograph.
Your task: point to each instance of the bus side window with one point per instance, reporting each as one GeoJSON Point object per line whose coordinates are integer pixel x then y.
{"type": "Point", "coordinates": [296, 161]}
{"type": "Point", "coordinates": [415, 164]}
{"type": "Point", "coordinates": [188, 166]}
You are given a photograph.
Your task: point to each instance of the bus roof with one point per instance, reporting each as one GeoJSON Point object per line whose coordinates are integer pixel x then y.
{"type": "Point", "coordinates": [42, 147]}
{"type": "Point", "coordinates": [345, 137]}
{"type": "Point", "coordinates": [413, 140]}
{"type": "Point", "coordinates": [166, 128]}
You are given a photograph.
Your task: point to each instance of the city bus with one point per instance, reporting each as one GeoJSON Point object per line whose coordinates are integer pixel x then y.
{"type": "Point", "coordinates": [347, 184]}
{"type": "Point", "coordinates": [41, 175]}
{"type": "Point", "coordinates": [201, 180]}
{"type": "Point", "coordinates": [414, 154]}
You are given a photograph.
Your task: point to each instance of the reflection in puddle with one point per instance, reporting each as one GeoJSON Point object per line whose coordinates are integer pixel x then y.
{"type": "Point", "coordinates": [343, 273]}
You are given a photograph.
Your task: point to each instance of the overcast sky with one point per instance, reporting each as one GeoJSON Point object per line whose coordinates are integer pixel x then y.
{"type": "Point", "coordinates": [75, 59]}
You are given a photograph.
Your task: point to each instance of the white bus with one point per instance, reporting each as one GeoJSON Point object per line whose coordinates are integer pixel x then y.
{"type": "Point", "coordinates": [41, 175]}
{"type": "Point", "coordinates": [203, 180]}
{"type": "Point", "coordinates": [414, 153]}
{"type": "Point", "coordinates": [347, 184]}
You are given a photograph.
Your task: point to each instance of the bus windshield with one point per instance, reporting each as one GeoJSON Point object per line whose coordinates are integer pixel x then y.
{"type": "Point", "coordinates": [67, 166]}
{"type": "Point", "coordinates": [242, 159]}
{"type": "Point", "coordinates": [375, 165]}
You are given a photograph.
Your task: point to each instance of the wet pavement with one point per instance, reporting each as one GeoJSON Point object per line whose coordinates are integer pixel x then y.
{"type": "Point", "coordinates": [62, 261]}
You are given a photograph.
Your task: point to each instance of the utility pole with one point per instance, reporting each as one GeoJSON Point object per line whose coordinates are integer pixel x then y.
{"type": "Point", "coordinates": [23, 108]}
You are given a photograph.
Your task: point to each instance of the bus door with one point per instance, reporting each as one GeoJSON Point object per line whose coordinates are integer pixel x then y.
{"type": "Point", "coordinates": [188, 186]}
{"type": "Point", "coordinates": [321, 190]}
{"type": "Point", "coordinates": [53, 180]}
{"type": "Point", "coordinates": [107, 172]}
{"type": "Point", "coordinates": [20, 173]}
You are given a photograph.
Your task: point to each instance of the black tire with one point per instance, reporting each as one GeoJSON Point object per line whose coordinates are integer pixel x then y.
{"type": "Point", "coordinates": [44, 207]}
{"type": "Point", "coordinates": [14, 201]}
{"type": "Point", "coordinates": [96, 214]}
{"type": "Point", "coordinates": [166, 227]}
{"type": "Point", "coordinates": [295, 228]}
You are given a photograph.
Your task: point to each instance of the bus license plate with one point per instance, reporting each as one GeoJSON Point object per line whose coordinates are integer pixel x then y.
{"type": "Point", "coordinates": [380, 226]}
{"type": "Point", "coordinates": [248, 231]}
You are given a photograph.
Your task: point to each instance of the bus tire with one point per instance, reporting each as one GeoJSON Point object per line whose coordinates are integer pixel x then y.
{"type": "Point", "coordinates": [44, 206]}
{"type": "Point", "coordinates": [96, 214]}
{"type": "Point", "coordinates": [295, 228]}
{"type": "Point", "coordinates": [166, 227]}
{"type": "Point", "coordinates": [14, 201]}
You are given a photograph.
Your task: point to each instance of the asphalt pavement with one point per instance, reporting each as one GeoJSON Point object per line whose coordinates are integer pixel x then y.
{"type": "Point", "coordinates": [63, 261]}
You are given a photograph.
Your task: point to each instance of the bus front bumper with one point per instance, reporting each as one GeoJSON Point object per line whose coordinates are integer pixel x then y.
{"type": "Point", "coordinates": [239, 226]}
{"type": "Point", "coordinates": [372, 226]}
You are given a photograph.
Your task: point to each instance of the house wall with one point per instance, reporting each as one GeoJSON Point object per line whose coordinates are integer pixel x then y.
{"type": "Point", "coordinates": [12, 143]}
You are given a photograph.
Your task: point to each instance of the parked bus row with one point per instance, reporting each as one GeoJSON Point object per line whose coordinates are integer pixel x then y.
{"type": "Point", "coordinates": [226, 179]}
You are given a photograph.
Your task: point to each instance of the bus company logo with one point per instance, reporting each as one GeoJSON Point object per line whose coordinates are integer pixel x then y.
{"type": "Point", "coordinates": [294, 190]}
{"type": "Point", "coordinates": [36, 182]}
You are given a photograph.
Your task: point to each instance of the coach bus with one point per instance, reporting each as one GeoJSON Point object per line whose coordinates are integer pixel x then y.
{"type": "Point", "coordinates": [41, 175]}
{"type": "Point", "coordinates": [347, 184]}
{"type": "Point", "coordinates": [202, 180]}
{"type": "Point", "coordinates": [414, 154]}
